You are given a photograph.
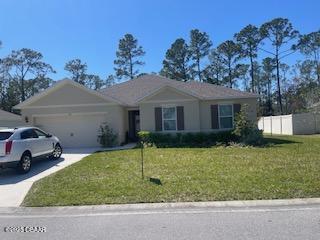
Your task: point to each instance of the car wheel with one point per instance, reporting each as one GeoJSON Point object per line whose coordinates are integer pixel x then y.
{"type": "Point", "coordinates": [24, 165]}
{"type": "Point", "coordinates": [57, 152]}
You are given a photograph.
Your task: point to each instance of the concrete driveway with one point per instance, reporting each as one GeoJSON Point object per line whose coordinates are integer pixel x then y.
{"type": "Point", "coordinates": [14, 187]}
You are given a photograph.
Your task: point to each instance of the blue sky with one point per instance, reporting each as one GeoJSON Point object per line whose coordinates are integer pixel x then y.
{"type": "Point", "coordinates": [90, 30]}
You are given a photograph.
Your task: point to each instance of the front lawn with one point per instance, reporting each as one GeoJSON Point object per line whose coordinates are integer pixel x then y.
{"type": "Point", "coordinates": [290, 168]}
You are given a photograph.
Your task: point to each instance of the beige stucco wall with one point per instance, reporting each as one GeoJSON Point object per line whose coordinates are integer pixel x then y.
{"type": "Point", "coordinates": [205, 111]}
{"type": "Point", "coordinates": [191, 115]}
{"type": "Point", "coordinates": [115, 115]}
{"type": "Point", "coordinates": [197, 113]}
{"type": "Point", "coordinates": [11, 123]}
{"type": "Point", "coordinates": [71, 110]}
{"type": "Point", "coordinates": [170, 97]}
{"type": "Point", "coordinates": [68, 94]}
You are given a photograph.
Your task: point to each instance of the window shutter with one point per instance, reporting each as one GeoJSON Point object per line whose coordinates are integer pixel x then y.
{"type": "Point", "coordinates": [180, 118]}
{"type": "Point", "coordinates": [236, 108]}
{"type": "Point", "coordinates": [214, 117]}
{"type": "Point", "coordinates": [158, 118]}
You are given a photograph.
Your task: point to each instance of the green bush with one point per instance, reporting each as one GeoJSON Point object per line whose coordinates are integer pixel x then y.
{"type": "Point", "coordinates": [246, 131]}
{"type": "Point", "coordinates": [191, 139]}
{"type": "Point", "coordinates": [106, 137]}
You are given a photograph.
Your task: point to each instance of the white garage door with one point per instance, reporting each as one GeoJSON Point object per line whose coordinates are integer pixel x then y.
{"type": "Point", "coordinates": [73, 131]}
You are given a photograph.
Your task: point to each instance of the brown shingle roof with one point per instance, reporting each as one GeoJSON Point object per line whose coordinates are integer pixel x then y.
{"type": "Point", "coordinates": [4, 115]}
{"type": "Point", "coordinates": [132, 91]}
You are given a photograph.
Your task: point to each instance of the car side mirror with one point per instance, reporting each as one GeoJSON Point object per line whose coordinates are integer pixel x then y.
{"type": "Point", "coordinates": [49, 136]}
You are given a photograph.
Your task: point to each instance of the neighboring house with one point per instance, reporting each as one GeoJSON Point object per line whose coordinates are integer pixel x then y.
{"type": "Point", "coordinates": [150, 102]}
{"type": "Point", "coordinates": [9, 120]}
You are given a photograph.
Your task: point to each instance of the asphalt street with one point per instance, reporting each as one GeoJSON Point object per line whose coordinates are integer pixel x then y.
{"type": "Point", "coordinates": [291, 222]}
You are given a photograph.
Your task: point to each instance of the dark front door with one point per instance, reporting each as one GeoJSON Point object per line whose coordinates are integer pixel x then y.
{"type": "Point", "coordinates": [134, 125]}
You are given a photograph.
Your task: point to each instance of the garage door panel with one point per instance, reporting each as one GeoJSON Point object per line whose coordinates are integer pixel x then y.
{"type": "Point", "coordinates": [73, 131]}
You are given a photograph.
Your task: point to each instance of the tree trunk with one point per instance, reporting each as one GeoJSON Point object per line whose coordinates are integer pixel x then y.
{"type": "Point", "coordinates": [252, 75]}
{"type": "Point", "coordinates": [230, 74]}
{"type": "Point", "coordinates": [131, 68]}
{"type": "Point", "coordinates": [199, 71]}
{"type": "Point", "coordinates": [278, 82]}
{"type": "Point", "coordinates": [23, 96]}
{"type": "Point", "coordinates": [269, 97]}
{"type": "Point", "coordinates": [318, 72]}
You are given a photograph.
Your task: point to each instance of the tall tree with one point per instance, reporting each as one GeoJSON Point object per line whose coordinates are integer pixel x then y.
{"type": "Point", "coordinates": [25, 64]}
{"type": "Point", "coordinates": [176, 62]}
{"type": "Point", "coordinates": [199, 47]}
{"type": "Point", "coordinates": [214, 73]}
{"type": "Point", "coordinates": [129, 55]}
{"type": "Point", "coordinates": [309, 45]}
{"type": "Point", "coordinates": [110, 80]}
{"type": "Point", "coordinates": [249, 38]}
{"type": "Point", "coordinates": [37, 84]}
{"type": "Point", "coordinates": [304, 72]}
{"type": "Point", "coordinates": [286, 84]}
{"type": "Point", "coordinates": [230, 54]}
{"type": "Point", "coordinates": [268, 67]}
{"type": "Point", "coordinates": [257, 74]}
{"type": "Point", "coordinates": [78, 70]}
{"type": "Point", "coordinates": [279, 32]}
{"type": "Point", "coordinates": [94, 82]}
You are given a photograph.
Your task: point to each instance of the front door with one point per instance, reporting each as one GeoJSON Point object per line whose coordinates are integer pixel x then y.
{"type": "Point", "coordinates": [134, 125]}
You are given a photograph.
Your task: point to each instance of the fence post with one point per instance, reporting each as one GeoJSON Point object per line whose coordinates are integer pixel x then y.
{"type": "Point", "coordinates": [271, 125]}
{"type": "Point", "coordinates": [280, 124]}
{"type": "Point", "coordinates": [315, 122]}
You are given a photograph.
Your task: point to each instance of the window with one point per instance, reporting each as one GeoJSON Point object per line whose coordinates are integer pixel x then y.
{"type": "Point", "coordinates": [5, 135]}
{"type": "Point", "coordinates": [40, 133]}
{"type": "Point", "coordinates": [226, 116]}
{"type": "Point", "coordinates": [169, 118]}
{"type": "Point", "coordinates": [30, 133]}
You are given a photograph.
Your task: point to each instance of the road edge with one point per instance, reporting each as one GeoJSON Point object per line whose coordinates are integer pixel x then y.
{"type": "Point", "coordinates": [150, 206]}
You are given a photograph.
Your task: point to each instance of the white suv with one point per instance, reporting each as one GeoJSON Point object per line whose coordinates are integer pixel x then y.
{"type": "Point", "coordinates": [20, 146]}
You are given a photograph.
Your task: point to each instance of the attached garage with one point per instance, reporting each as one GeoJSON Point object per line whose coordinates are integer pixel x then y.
{"type": "Point", "coordinates": [74, 114]}
{"type": "Point", "coordinates": [75, 130]}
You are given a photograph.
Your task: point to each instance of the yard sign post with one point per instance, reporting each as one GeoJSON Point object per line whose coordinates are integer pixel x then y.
{"type": "Point", "coordinates": [142, 173]}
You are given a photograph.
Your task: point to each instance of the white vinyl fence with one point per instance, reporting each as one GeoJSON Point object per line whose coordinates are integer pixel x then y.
{"type": "Point", "coordinates": [302, 123]}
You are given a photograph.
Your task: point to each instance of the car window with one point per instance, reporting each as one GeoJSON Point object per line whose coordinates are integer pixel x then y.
{"type": "Point", "coordinates": [30, 133]}
{"type": "Point", "coordinates": [40, 133]}
{"type": "Point", "coordinates": [5, 135]}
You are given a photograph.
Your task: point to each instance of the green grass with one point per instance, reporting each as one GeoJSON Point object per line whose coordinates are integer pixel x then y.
{"type": "Point", "coordinates": [289, 168]}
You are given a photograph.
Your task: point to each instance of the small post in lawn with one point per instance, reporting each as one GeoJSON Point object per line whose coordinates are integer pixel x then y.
{"type": "Point", "coordinates": [142, 173]}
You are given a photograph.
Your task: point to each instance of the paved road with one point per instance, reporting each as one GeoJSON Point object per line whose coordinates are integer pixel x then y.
{"type": "Point", "coordinates": [294, 222]}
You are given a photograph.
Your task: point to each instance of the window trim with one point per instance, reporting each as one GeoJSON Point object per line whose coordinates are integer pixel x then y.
{"type": "Point", "coordinates": [175, 119]}
{"type": "Point", "coordinates": [232, 115]}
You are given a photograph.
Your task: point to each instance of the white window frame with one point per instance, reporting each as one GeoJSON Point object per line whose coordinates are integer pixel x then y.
{"type": "Point", "coordinates": [175, 118]}
{"type": "Point", "coordinates": [232, 115]}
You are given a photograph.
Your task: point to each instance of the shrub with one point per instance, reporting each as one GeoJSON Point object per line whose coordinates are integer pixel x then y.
{"type": "Point", "coordinates": [254, 138]}
{"type": "Point", "coordinates": [106, 137]}
{"type": "Point", "coordinates": [196, 139]}
{"type": "Point", "coordinates": [245, 130]}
